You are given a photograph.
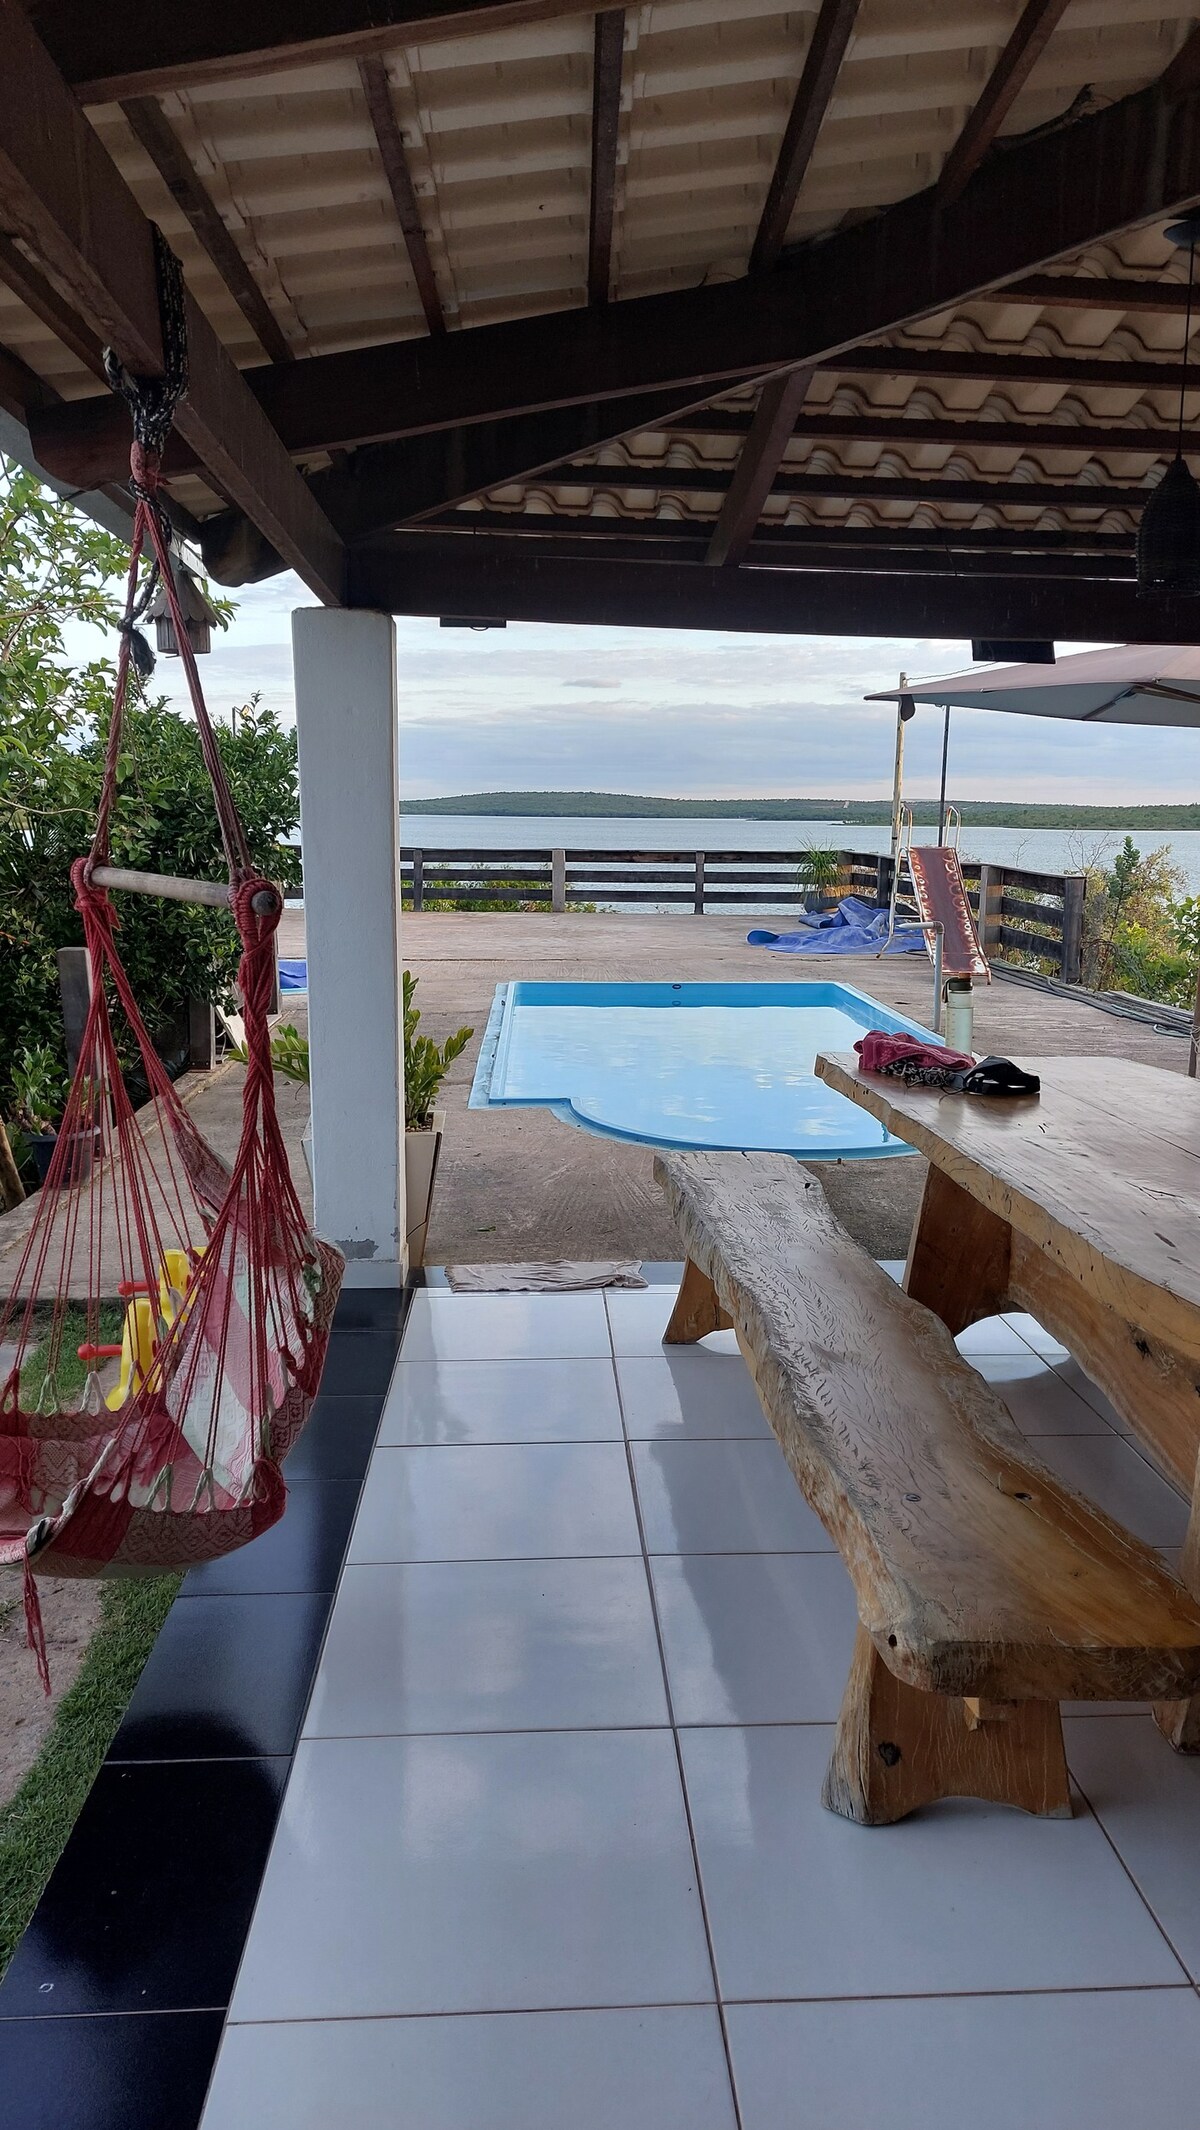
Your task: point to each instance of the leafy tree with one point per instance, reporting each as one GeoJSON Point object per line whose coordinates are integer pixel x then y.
{"type": "Point", "coordinates": [57, 567]}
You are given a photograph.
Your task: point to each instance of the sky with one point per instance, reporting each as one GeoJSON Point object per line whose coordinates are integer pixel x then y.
{"type": "Point", "coordinates": [693, 715]}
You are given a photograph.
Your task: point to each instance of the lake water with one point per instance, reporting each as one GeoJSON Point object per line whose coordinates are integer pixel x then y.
{"type": "Point", "coordinates": [1042, 850]}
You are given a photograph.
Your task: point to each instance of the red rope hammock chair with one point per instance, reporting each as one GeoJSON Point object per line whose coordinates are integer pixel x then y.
{"type": "Point", "coordinates": [228, 1294]}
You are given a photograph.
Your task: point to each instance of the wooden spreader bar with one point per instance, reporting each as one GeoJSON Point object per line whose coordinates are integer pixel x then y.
{"type": "Point", "coordinates": [171, 887]}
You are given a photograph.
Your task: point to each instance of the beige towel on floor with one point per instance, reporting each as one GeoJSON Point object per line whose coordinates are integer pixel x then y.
{"type": "Point", "coordinates": [561, 1278]}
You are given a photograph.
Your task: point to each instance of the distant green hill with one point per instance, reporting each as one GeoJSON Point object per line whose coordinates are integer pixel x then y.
{"type": "Point", "coordinates": [864, 813]}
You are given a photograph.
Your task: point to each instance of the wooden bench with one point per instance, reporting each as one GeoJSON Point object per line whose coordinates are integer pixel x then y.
{"type": "Point", "coordinates": [987, 1591]}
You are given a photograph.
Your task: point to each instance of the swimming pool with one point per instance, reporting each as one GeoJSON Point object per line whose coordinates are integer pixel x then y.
{"type": "Point", "coordinates": [711, 1065]}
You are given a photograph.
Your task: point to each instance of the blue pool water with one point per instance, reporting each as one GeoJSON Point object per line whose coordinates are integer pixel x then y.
{"type": "Point", "coordinates": [711, 1065]}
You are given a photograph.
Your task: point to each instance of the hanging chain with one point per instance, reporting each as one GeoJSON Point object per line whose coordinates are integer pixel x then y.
{"type": "Point", "coordinates": [152, 402]}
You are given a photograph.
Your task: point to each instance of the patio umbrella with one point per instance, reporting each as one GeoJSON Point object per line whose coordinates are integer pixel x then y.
{"type": "Point", "coordinates": [1131, 684]}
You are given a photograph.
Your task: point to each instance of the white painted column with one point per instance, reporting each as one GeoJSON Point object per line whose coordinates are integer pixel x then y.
{"type": "Point", "coordinates": [345, 675]}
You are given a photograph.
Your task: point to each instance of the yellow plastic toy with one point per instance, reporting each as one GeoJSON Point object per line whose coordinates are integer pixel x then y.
{"type": "Point", "coordinates": [144, 1325]}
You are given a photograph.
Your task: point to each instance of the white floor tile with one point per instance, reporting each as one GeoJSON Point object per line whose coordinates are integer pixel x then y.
{"type": "Point", "coordinates": [723, 1497]}
{"type": "Point", "coordinates": [992, 1335]}
{"type": "Point", "coordinates": [1096, 2060]}
{"type": "Point", "coordinates": [638, 1322]}
{"type": "Point", "coordinates": [756, 1638]}
{"type": "Point", "coordinates": [1037, 1336]}
{"type": "Point", "coordinates": [498, 1327]}
{"type": "Point", "coordinates": [485, 1873]}
{"type": "Point", "coordinates": [489, 1646]}
{"type": "Point", "coordinates": [1147, 1798]}
{"type": "Point", "coordinates": [961, 1897]}
{"type": "Point", "coordinates": [502, 1401]}
{"type": "Point", "coordinates": [496, 1501]}
{"type": "Point", "coordinates": [1024, 1366]}
{"type": "Point", "coordinates": [1043, 1404]}
{"type": "Point", "coordinates": [1122, 1483]}
{"type": "Point", "coordinates": [644, 2070]}
{"type": "Point", "coordinates": [1090, 1392]}
{"type": "Point", "coordinates": [690, 1393]}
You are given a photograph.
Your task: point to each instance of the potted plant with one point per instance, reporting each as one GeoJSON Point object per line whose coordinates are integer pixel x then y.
{"type": "Point", "coordinates": [819, 876]}
{"type": "Point", "coordinates": [40, 1088]}
{"type": "Point", "coordinates": [426, 1064]}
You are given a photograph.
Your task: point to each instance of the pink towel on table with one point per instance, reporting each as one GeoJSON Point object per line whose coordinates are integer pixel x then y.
{"type": "Point", "coordinates": [904, 1054]}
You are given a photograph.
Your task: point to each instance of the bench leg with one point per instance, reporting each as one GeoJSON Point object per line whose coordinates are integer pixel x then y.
{"type": "Point", "coordinates": [697, 1309]}
{"type": "Point", "coordinates": [1179, 1721]}
{"type": "Point", "coordinates": [959, 1256]}
{"type": "Point", "coordinates": [898, 1748]}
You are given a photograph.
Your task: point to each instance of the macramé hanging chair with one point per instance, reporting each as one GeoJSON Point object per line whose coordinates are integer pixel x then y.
{"type": "Point", "coordinates": [228, 1294]}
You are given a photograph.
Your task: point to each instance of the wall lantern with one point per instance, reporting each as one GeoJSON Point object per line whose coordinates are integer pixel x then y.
{"type": "Point", "coordinates": [1168, 540]}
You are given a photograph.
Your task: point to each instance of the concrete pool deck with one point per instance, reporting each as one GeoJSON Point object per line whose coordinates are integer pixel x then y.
{"type": "Point", "coordinates": [522, 1185]}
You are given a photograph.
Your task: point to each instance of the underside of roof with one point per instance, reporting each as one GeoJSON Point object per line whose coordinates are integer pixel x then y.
{"type": "Point", "coordinates": [858, 315]}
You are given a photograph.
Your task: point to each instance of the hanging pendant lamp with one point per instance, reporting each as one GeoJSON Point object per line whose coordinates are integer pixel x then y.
{"type": "Point", "coordinates": [1168, 539]}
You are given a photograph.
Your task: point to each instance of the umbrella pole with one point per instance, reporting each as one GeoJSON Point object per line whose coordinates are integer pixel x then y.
{"type": "Point", "coordinates": [942, 793]}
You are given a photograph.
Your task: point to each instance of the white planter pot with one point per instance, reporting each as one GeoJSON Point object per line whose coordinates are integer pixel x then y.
{"type": "Point", "coordinates": [421, 1150]}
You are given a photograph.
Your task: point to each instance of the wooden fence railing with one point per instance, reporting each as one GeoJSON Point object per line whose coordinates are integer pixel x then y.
{"type": "Point", "coordinates": [1027, 917]}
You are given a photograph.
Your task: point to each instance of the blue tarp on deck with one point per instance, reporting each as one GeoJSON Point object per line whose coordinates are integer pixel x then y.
{"type": "Point", "coordinates": [853, 928]}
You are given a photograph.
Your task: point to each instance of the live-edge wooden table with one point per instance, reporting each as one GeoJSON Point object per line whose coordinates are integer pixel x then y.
{"type": "Point", "coordinates": [1081, 1205]}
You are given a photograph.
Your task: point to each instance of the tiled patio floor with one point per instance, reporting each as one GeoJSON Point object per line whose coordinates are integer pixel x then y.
{"type": "Point", "coordinates": [552, 1855]}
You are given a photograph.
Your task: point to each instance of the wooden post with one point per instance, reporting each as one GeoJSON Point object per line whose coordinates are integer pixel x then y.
{"type": "Point", "coordinates": [991, 888]}
{"type": "Point", "coordinates": [202, 1035]}
{"type": "Point", "coordinates": [698, 900]}
{"type": "Point", "coordinates": [75, 989]}
{"type": "Point", "coordinates": [558, 882]}
{"type": "Point", "coordinates": [883, 884]}
{"type": "Point", "coordinates": [12, 1190]}
{"type": "Point", "coordinates": [418, 880]}
{"type": "Point", "coordinates": [1074, 892]}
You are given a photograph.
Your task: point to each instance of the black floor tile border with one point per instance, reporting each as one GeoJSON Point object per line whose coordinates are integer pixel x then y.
{"type": "Point", "coordinates": [112, 2009]}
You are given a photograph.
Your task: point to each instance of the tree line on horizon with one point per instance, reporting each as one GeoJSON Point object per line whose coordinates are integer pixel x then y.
{"type": "Point", "coordinates": [863, 813]}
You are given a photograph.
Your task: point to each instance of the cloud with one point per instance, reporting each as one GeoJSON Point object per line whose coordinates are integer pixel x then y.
{"type": "Point", "coordinates": [698, 715]}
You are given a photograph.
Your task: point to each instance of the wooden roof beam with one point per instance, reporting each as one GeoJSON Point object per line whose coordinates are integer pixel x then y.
{"type": "Point", "coordinates": [420, 573]}
{"type": "Point", "coordinates": [377, 89]}
{"type": "Point", "coordinates": [826, 50]}
{"type": "Point", "coordinates": [1032, 32]}
{"type": "Point", "coordinates": [608, 56]}
{"type": "Point", "coordinates": [39, 296]}
{"type": "Point", "coordinates": [757, 467]}
{"type": "Point", "coordinates": [150, 126]}
{"type": "Point", "coordinates": [62, 195]}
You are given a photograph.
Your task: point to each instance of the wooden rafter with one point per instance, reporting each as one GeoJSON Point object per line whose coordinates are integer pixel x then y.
{"type": "Point", "coordinates": [1088, 439]}
{"type": "Point", "coordinates": [377, 89]}
{"type": "Point", "coordinates": [859, 483]}
{"type": "Point", "coordinates": [422, 573]}
{"type": "Point", "coordinates": [607, 56]}
{"type": "Point", "coordinates": [1085, 292]}
{"type": "Point", "coordinates": [62, 195]}
{"type": "Point", "coordinates": [827, 46]}
{"type": "Point", "coordinates": [151, 127]}
{"type": "Point", "coordinates": [758, 464]}
{"type": "Point", "coordinates": [1004, 543]}
{"type": "Point", "coordinates": [1033, 30]}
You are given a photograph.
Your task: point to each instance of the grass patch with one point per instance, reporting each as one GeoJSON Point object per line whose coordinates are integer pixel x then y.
{"type": "Point", "coordinates": [70, 1372]}
{"type": "Point", "coordinates": [35, 1824]}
